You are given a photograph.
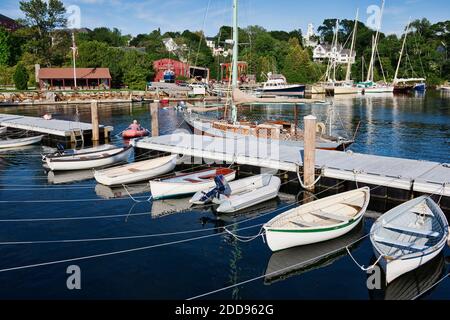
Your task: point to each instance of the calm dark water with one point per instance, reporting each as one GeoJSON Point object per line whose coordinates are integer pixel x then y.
{"type": "Point", "coordinates": [403, 126]}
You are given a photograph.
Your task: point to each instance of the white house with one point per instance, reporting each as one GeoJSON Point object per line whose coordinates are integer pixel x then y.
{"type": "Point", "coordinates": [171, 45]}
{"type": "Point", "coordinates": [324, 52]}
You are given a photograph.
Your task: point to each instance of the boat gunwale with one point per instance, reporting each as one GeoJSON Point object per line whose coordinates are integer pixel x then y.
{"type": "Point", "coordinates": [122, 150]}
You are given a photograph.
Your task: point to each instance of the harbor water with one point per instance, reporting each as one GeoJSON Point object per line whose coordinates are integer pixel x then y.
{"type": "Point", "coordinates": [167, 250]}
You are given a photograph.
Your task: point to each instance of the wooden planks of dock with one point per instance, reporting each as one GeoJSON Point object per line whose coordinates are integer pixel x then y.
{"type": "Point", "coordinates": [58, 128]}
{"type": "Point", "coordinates": [406, 174]}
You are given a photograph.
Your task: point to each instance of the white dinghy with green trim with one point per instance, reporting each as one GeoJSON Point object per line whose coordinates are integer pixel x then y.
{"type": "Point", "coordinates": [409, 236]}
{"type": "Point", "coordinates": [317, 221]}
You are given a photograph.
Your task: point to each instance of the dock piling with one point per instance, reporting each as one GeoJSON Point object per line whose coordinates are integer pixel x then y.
{"type": "Point", "coordinates": [95, 124]}
{"type": "Point", "coordinates": [309, 152]}
{"type": "Point", "coordinates": [154, 116]}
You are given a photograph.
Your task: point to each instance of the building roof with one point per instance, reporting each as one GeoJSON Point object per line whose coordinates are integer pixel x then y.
{"type": "Point", "coordinates": [67, 73]}
{"type": "Point", "coordinates": [8, 22]}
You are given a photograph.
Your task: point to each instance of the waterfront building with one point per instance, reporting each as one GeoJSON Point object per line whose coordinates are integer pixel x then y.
{"type": "Point", "coordinates": [63, 78]}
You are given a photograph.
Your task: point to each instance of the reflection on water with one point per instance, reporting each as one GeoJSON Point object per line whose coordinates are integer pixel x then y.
{"type": "Point", "coordinates": [412, 284]}
{"type": "Point", "coordinates": [298, 260]}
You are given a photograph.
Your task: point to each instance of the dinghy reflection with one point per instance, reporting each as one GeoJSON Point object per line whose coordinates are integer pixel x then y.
{"type": "Point", "coordinates": [413, 284]}
{"type": "Point", "coordinates": [295, 261]}
{"type": "Point", "coordinates": [162, 208]}
{"type": "Point", "coordinates": [106, 192]}
{"type": "Point", "coordinates": [69, 176]}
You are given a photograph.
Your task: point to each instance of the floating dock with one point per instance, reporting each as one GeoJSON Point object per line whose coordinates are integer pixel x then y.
{"type": "Point", "coordinates": [413, 177]}
{"type": "Point", "coordinates": [54, 130]}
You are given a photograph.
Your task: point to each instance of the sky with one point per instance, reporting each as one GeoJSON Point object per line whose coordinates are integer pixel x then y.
{"type": "Point", "coordinates": [142, 16]}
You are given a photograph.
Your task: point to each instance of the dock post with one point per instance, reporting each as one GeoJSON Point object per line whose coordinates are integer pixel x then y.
{"type": "Point", "coordinates": [94, 117]}
{"type": "Point", "coordinates": [154, 116]}
{"type": "Point", "coordinates": [309, 152]}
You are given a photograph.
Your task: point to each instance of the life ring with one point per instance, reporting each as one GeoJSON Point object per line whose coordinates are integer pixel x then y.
{"type": "Point", "coordinates": [321, 128]}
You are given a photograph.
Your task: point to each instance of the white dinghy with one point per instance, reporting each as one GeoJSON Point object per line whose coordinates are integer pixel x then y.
{"type": "Point", "coordinates": [242, 193]}
{"type": "Point", "coordinates": [317, 221]}
{"type": "Point", "coordinates": [135, 172]}
{"type": "Point", "coordinates": [188, 184]}
{"type": "Point", "coordinates": [71, 152]}
{"type": "Point", "coordinates": [20, 142]}
{"type": "Point", "coordinates": [89, 161]}
{"type": "Point", "coordinates": [409, 236]}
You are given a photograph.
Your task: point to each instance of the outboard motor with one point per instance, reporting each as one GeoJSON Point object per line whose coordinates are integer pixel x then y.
{"type": "Point", "coordinates": [222, 188]}
{"type": "Point", "coordinates": [60, 149]}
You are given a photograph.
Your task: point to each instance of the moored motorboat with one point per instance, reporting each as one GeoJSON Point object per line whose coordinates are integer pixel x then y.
{"type": "Point", "coordinates": [20, 142]}
{"type": "Point", "coordinates": [317, 221]}
{"type": "Point", "coordinates": [409, 236]}
{"type": "Point", "coordinates": [188, 184]}
{"type": "Point", "coordinates": [135, 172]}
{"type": "Point", "coordinates": [90, 160]}
{"type": "Point", "coordinates": [242, 193]}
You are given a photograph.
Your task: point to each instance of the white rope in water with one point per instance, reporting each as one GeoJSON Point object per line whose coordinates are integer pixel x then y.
{"type": "Point", "coordinates": [431, 287]}
{"type": "Point", "coordinates": [134, 199]}
{"type": "Point", "coordinates": [361, 266]}
{"type": "Point", "coordinates": [108, 253]}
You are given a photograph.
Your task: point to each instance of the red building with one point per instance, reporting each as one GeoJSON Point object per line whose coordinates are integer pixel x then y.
{"type": "Point", "coordinates": [160, 66]}
{"type": "Point", "coordinates": [63, 78]}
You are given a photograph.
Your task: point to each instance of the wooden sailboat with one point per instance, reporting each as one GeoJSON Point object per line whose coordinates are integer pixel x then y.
{"type": "Point", "coordinates": [409, 236]}
{"type": "Point", "coordinates": [236, 129]}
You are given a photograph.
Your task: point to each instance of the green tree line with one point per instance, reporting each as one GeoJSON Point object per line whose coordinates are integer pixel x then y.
{"type": "Point", "coordinates": [43, 39]}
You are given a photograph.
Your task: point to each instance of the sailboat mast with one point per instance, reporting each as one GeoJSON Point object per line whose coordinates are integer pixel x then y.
{"type": "Point", "coordinates": [349, 65]}
{"type": "Point", "coordinates": [401, 52]}
{"type": "Point", "coordinates": [374, 45]}
{"type": "Point", "coordinates": [234, 75]}
{"type": "Point", "coordinates": [336, 41]}
{"type": "Point", "coordinates": [74, 55]}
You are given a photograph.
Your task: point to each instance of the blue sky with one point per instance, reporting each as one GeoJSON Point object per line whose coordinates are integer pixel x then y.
{"type": "Point", "coordinates": [142, 16]}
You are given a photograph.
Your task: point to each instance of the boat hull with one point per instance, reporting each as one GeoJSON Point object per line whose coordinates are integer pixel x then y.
{"type": "Point", "coordinates": [14, 143]}
{"type": "Point", "coordinates": [132, 177]}
{"type": "Point", "coordinates": [129, 134]}
{"type": "Point", "coordinates": [293, 89]}
{"type": "Point", "coordinates": [396, 268]}
{"type": "Point", "coordinates": [164, 190]}
{"type": "Point", "coordinates": [281, 240]}
{"type": "Point", "coordinates": [68, 165]}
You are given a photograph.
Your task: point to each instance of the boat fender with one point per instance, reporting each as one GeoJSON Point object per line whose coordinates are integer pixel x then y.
{"type": "Point", "coordinates": [320, 128]}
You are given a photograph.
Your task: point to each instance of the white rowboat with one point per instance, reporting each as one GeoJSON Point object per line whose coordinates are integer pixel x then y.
{"type": "Point", "coordinates": [89, 161]}
{"type": "Point", "coordinates": [244, 193]}
{"type": "Point", "coordinates": [13, 143]}
{"type": "Point", "coordinates": [72, 152]}
{"type": "Point", "coordinates": [317, 221]}
{"type": "Point", "coordinates": [409, 236]}
{"type": "Point", "coordinates": [135, 172]}
{"type": "Point", "coordinates": [187, 184]}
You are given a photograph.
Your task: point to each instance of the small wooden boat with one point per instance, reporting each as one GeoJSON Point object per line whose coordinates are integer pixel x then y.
{"type": "Point", "coordinates": [2, 130]}
{"type": "Point", "coordinates": [13, 143]}
{"type": "Point", "coordinates": [130, 134]}
{"type": "Point", "coordinates": [244, 193]}
{"type": "Point", "coordinates": [317, 221]}
{"type": "Point", "coordinates": [135, 172]}
{"type": "Point", "coordinates": [90, 160]}
{"type": "Point", "coordinates": [409, 236]}
{"type": "Point", "coordinates": [62, 152]}
{"type": "Point", "coordinates": [187, 184]}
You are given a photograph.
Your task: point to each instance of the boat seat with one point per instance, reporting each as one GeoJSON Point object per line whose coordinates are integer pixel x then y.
{"type": "Point", "coordinates": [303, 224]}
{"type": "Point", "coordinates": [191, 180]}
{"type": "Point", "coordinates": [134, 170]}
{"type": "Point", "coordinates": [328, 215]}
{"type": "Point", "coordinates": [419, 211]}
{"type": "Point", "coordinates": [399, 244]}
{"type": "Point", "coordinates": [425, 233]}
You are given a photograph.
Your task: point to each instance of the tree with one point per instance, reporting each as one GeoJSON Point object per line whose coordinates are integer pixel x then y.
{"type": "Point", "coordinates": [44, 15]}
{"type": "Point", "coordinates": [5, 48]}
{"type": "Point", "coordinates": [297, 67]}
{"type": "Point", "coordinates": [21, 77]}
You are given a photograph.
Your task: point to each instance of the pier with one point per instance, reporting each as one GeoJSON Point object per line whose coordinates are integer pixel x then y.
{"type": "Point", "coordinates": [396, 178]}
{"type": "Point", "coordinates": [62, 131]}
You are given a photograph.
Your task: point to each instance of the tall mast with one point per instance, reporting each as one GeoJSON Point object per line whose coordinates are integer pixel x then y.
{"type": "Point", "coordinates": [349, 65]}
{"type": "Point", "coordinates": [234, 75]}
{"type": "Point", "coordinates": [401, 52]}
{"type": "Point", "coordinates": [74, 54]}
{"type": "Point", "coordinates": [374, 45]}
{"type": "Point", "coordinates": [336, 42]}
